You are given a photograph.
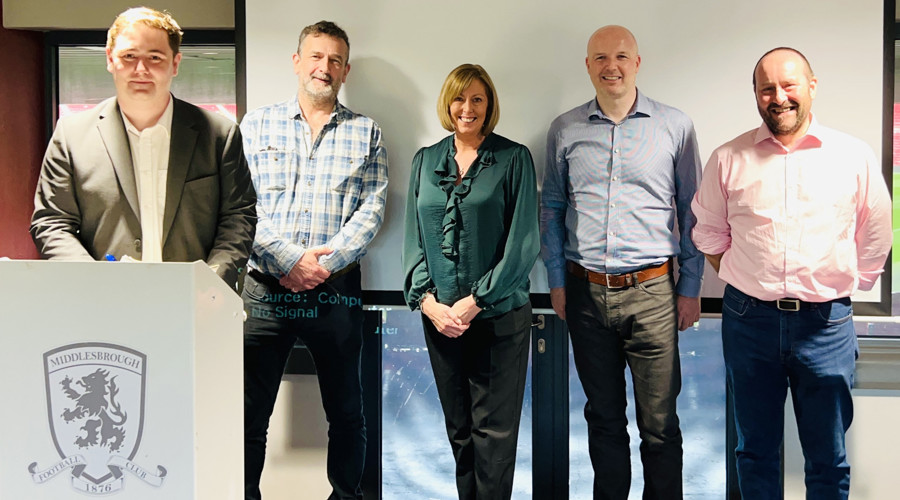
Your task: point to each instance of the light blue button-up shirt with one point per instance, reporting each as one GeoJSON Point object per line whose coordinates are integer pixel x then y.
{"type": "Point", "coordinates": [612, 192]}
{"type": "Point", "coordinates": [328, 192]}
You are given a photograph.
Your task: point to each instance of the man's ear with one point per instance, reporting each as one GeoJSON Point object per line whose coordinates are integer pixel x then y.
{"type": "Point", "coordinates": [176, 61]}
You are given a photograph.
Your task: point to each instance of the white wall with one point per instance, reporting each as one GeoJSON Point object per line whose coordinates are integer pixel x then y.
{"type": "Point", "coordinates": [697, 55]}
{"type": "Point", "coordinates": [872, 441]}
{"type": "Point", "coordinates": [872, 444]}
{"type": "Point", "coordinates": [297, 442]}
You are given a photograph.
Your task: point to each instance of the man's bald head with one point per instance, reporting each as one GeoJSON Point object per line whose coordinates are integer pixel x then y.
{"type": "Point", "coordinates": [613, 32]}
{"type": "Point", "coordinates": [807, 68]}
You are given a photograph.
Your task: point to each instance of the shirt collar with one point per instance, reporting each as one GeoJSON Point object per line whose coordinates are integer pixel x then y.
{"type": "Point", "coordinates": [485, 159]}
{"type": "Point", "coordinates": [485, 150]}
{"type": "Point", "coordinates": [641, 108]}
{"type": "Point", "coordinates": [340, 112]}
{"type": "Point", "coordinates": [165, 120]}
{"type": "Point", "coordinates": [814, 135]}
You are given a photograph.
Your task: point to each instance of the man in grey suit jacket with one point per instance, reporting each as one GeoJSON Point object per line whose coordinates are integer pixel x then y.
{"type": "Point", "coordinates": [144, 174]}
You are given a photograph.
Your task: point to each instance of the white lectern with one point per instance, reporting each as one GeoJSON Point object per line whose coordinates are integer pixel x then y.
{"type": "Point", "coordinates": [119, 380]}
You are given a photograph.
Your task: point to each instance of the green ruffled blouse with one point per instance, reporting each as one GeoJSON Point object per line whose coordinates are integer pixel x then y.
{"type": "Point", "coordinates": [480, 237]}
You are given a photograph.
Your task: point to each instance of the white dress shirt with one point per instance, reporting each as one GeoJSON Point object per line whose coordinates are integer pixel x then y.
{"type": "Point", "coordinates": [150, 156]}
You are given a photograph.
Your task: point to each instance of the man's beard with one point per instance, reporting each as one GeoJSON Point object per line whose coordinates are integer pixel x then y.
{"type": "Point", "coordinates": [782, 127]}
{"type": "Point", "coordinates": [325, 94]}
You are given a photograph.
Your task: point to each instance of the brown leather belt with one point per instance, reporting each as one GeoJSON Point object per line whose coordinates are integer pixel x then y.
{"type": "Point", "coordinates": [619, 280]}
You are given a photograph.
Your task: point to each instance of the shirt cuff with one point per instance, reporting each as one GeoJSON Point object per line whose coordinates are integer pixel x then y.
{"type": "Point", "coordinates": [480, 303]}
{"type": "Point", "coordinates": [289, 257]}
{"type": "Point", "coordinates": [867, 280]}
{"type": "Point", "coordinates": [418, 302]}
{"type": "Point", "coordinates": [556, 275]}
{"type": "Point", "coordinates": [710, 245]}
{"type": "Point", "coordinates": [688, 286]}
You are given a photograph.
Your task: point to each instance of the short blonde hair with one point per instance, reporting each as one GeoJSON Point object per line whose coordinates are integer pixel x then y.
{"type": "Point", "coordinates": [148, 17]}
{"type": "Point", "coordinates": [458, 81]}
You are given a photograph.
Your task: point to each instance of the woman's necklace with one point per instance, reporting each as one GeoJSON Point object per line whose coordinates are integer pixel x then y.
{"type": "Point", "coordinates": [463, 166]}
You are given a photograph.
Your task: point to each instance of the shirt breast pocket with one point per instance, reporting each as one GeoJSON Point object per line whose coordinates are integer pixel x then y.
{"type": "Point", "coordinates": [273, 170]}
{"type": "Point", "coordinates": [347, 181]}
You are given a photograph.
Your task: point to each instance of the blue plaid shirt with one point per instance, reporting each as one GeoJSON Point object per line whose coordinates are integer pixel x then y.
{"type": "Point", "coordinates": [324, 193]}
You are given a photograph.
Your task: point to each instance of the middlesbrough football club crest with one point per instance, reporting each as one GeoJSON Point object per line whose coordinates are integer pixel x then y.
{"type": "Point", "coordinates": [95, 406]}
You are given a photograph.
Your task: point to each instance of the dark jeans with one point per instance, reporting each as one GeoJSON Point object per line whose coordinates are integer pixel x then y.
{"type": "Point", "coordinates": [636, 326]}
{"type": "Point", "coordinates": [813, 351]}
{"type": "Point", "coordinates": [332, 331]}
{"type": "Point", "coordinates": [480, 378]}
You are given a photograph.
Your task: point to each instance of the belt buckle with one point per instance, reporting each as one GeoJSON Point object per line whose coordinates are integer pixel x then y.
{"type": "Point", "coordinates": [606, 281]}
{"type": "Point", "coordinates": [792, 305]}
{"type": "Point", "coordinates": [627, 281]}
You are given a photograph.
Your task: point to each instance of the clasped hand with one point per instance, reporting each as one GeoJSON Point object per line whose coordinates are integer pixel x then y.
{"type": "Point", "coordinates": [307, 273]}
{"type": "Point", "coordinates": [451, 321]}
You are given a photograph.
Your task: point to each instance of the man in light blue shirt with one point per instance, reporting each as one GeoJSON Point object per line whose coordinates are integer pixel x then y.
{"type": "Point", "coordinates": [321, 171]}
{"type": "Point", "coordinates": [620, 170]}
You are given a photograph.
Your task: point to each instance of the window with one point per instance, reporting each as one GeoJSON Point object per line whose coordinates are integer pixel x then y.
{"type": "Point", "coordinates": [206, 78]}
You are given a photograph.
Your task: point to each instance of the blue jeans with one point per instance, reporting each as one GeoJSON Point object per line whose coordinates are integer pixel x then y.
{"type": "Point", "coordinates": [636, 326]}
{"type": "Point", "coordinates": [813, 351]}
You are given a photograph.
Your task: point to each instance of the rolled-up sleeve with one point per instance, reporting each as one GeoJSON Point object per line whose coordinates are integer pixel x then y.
{"type": "Point", "coordinates": [874, 235]}
{"type": "Point", "coordinates": [712, 232]}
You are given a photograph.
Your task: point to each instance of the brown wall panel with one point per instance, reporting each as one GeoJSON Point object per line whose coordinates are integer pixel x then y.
{"type": "Point", "coordinates": [22, 140]}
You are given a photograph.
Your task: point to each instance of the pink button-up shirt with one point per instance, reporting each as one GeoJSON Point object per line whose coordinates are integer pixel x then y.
{"type": "Point", "coordinates": [813, 223]}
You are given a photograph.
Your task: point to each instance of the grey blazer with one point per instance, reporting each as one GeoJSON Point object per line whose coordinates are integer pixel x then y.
{"type": "Point", "coordinates": [86, 204]}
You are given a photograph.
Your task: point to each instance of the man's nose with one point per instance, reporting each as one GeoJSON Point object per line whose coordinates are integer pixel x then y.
{"type": "Point", "coordinates": [780, 95]}
{"type": "Point", "coordinates": [140, 65]}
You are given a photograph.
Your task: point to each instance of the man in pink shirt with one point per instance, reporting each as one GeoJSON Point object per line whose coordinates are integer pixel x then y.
{"type": "Point", "coordinates": [795, 217]}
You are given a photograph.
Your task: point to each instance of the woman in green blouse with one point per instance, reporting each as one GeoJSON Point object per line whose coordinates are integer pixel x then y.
{"type": "Point", "coordinates": [471, 241]}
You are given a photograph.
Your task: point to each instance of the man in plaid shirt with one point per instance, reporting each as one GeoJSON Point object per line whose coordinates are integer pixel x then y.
{"type": "Point", "coordinates": [321, 174]}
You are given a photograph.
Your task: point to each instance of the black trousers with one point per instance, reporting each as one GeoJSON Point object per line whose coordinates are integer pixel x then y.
{"type": "Point", "coordinates": [328, 320]}
{"type": "Point", "coordinates": [480, 378]}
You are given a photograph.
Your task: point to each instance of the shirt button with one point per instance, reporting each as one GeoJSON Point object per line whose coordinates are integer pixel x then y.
{"type": "Point", "coordinates": [615, 178]}
{"type": "Point", "coordinates": [612, 205]}
{"type": "Point", "coordinates": [616, 151]}
{"type": "Point", "coordinates": [309, 183]}
{"type": "Point", "coordinates": [303, 241]}
{"type": "Point", "coordinates": [306, 211]}
{"type": "Point", "coordinates": [137, 245]}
